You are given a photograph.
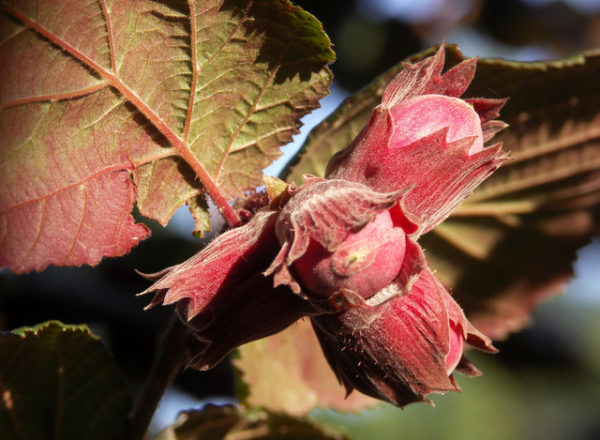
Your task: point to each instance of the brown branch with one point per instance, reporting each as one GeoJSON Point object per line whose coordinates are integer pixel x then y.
{"type": "Point", "coordinates": [171, 355]}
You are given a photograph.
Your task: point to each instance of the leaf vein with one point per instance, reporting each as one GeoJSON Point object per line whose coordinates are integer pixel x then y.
{"type": "Point", "coordinates": [260, 138]}
{"type": "Point", "coordinates": [118, 167]}
{"type": "Point", "coordinates": [193, 57]}
{"type": "Point", "coordinates": [13, 35]}
{"type": "Point", "coordinates": [80, 225]}
{"type": "Point", "coordinates": [109, 33]}
{"type": "Point", "coordinates": [550, 146]}
{"type": "Point", "coordinates": [59, 386]}
{"type": "Point", "coordinates": [124, 217]}
{"type": "Point", "coordinates": [40, 228]}
{"type": "Point", "coordinates": [285, 102]}
{"type": "Point", "coordinates": [13, 416]}
{"type": "Point", "coordinates": [36, 127]}
{"type": "Point", "coordinates": [493, 191]}
{"type": "Point", "coordinates": [227, 40]}
{"type": "Point", "coordinates": [164, 153]}
{"type": "Point", "coordinates": [103, 115]}
{"type": "Point", "coordinates": [213, 79]}
{"type": "Point", "coordinates": [57, 97]}
{"type": "Point", "coordinates": [259, 96]}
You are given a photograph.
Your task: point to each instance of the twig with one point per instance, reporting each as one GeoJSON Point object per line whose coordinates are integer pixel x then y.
{"type": "Point", "coordinates": [172, 353]}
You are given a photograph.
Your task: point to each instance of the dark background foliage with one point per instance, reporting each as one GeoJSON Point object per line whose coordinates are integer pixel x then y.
{"type": "Point", "coordinates": [556, 357]}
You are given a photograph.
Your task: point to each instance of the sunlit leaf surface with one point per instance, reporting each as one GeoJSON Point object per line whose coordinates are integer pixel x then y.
{"type": "Point", "coordinates": [104, 103]}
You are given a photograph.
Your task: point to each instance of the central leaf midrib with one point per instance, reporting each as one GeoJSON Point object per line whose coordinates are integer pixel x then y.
{"type": "Point", "coordinates": [185, 152]}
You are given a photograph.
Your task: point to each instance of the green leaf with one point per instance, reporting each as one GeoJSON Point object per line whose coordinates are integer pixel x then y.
{"type": "Point", "coordinates": [275, 374]}
{"type": "Point", "coordinates": [229, 423]}
{"type": "Point", "coordinates": [104, 104]}
{"type": "Point", "coordinates": [513, 241]}
{"type": "Point", "coordinates": [58, 381]}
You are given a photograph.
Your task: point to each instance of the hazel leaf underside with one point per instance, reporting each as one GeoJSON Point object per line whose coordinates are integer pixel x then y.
{"type": "Point", "coordinates": [58, 381]}
{"type": "Point", "coordinates": [512, 242]}
{"type": "Point", "coordinates": [107, 103]}
{"type": "Point", "coordinates": [283, 378]}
